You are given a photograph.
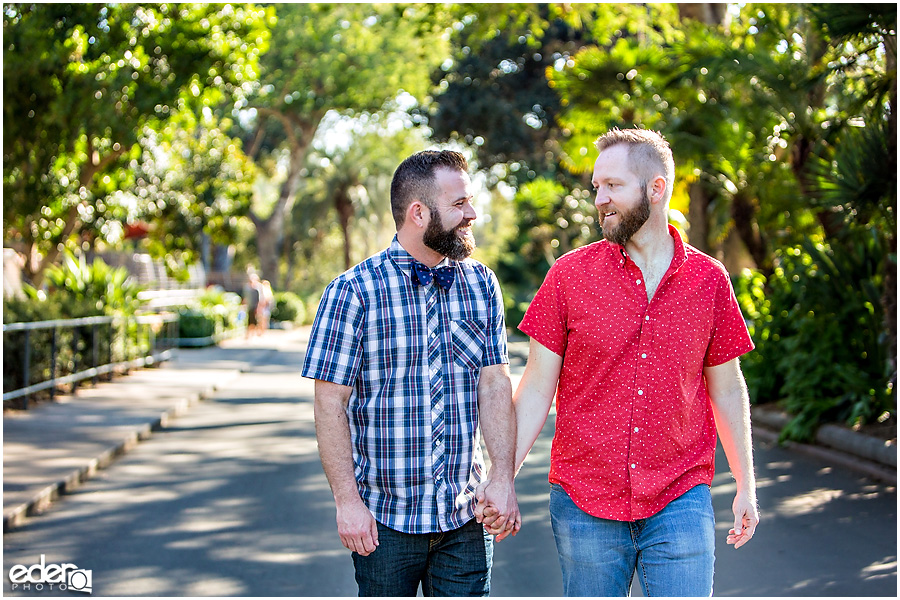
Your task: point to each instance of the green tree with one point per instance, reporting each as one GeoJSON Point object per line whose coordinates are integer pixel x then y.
{"type": "Point", "coordinates": [82, 81]}
{"type": "Point", "coordinates": [346, 193]}
{"type": "Point", "coordinates": [201, 184]}
{"type": "Point", "coordinates": [344, 57]}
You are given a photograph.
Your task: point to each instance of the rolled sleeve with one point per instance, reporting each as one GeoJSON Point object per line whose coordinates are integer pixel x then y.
{"type": "Point", "coordinates": [335, 346]}
{"type": "Point", "coordinates": [496, 351]}
{"type": "Point", "coordinates": [730, 337]}
{"type": "Point", "coordinates": [545, 319]}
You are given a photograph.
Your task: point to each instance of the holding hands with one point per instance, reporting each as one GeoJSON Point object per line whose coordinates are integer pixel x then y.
{"type": "Point", "coordinates": [497, 508]}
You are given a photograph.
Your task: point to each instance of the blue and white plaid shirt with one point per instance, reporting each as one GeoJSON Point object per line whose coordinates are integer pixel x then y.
{"type": "Point", "coordinates": [371, 333]}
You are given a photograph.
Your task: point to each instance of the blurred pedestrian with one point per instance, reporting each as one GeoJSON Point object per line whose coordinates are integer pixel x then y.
{"type": "Point", "coordinates": [266, 304]}
{"type": "Point", "coordinates": [253, 293]}
{"type": "Point", "coordinates": [408, 350]}
{"type": "Point", "coordinates": [638, 336]}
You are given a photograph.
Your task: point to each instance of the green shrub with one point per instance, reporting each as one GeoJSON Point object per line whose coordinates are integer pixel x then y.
{"type": "Point", "coordinates": [288, 307]}
{"type": "Point", "coordinates": [110, 290]}
{"type": "Point", "coordinates": [817, 322]}
{"type": "Point", "coordinates": [197, 322]}
{"type": "Point", "coordinates": [75, 289]}
{"type": "Point", "coordinates": [226, 306]}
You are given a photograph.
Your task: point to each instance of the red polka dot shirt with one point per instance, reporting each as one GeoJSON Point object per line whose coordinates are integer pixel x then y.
{"type": "Point", "coordinates": [634, 424]}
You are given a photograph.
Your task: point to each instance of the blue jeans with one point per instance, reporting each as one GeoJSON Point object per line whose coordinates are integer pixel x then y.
{"type": "Point", "coordinates": [449, 563]}
{"type": "Point", "coordinates": [672, 551]}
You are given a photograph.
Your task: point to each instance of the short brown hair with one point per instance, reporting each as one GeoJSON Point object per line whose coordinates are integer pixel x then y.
{"type": "Point", "coordinates": [649, 154]}
{"type": "Point", "coordinates": [415, 179]}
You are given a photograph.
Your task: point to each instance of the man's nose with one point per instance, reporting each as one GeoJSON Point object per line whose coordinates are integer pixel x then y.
{"type": "Point", "coordinates": [601, 200]}
{"type": "Point", "coordinates": [469, 212]}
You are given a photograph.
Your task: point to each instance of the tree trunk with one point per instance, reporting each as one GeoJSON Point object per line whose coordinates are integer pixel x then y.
{"type": "Point", "coordinates": [743, 212]}
{"type": "Point", "coordinates": [270, 231]}
{"type": "Point", "coordinates": [344, 207]}
{"type": "Point", "coordinates": [711, 13]}
{"type": "Point", "coordinates": [698, 217]}
{"type": "Point", "coordinates": [889, 297]}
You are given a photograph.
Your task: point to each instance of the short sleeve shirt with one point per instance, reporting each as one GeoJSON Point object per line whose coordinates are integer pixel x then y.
{"type": "Point", "coordinates": [634, 424]}
{"type": "Point", "coordinates": [371, 333]}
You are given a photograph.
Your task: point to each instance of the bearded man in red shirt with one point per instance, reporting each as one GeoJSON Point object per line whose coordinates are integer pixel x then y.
{"type": "Point", "coordinates": [638, 336]}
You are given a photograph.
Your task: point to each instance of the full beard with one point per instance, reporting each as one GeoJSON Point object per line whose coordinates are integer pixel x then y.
{"type": "Point", "coordinates": [447, 242]}
{"type": "Point", "coordinates": [629, 222]}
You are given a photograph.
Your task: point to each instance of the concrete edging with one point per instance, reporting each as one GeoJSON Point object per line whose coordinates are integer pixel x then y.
{"type": "Point", "coordinates": [15, 517]}
{"type": "Point", "coordinates": [880, 451]}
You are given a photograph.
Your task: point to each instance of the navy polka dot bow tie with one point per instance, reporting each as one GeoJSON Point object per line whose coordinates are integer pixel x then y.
{"type": "Point", "coordinates": [422, 275]}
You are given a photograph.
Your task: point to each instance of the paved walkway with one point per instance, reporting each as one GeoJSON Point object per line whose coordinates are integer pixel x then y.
{"type": "Point", "coordinates": [227, 497]}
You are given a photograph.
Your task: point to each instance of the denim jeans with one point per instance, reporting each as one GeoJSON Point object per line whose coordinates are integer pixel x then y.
{"type": "Point", "coordinates": [672, 551]}
{"type": "Point", "coordinates": [449, 563]}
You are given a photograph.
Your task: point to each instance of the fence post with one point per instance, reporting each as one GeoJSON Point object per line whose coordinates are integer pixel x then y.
{"type": "Point", "coordinates": [26, 379]}
{"type": "Point", "coordinates": [53, 362]}
{"type": "Point", "coordinates": [112, 339]}
{"type": "Point", "coordinates": [94, 352]}
{"type": "Point", "coordinates": [76, 364]}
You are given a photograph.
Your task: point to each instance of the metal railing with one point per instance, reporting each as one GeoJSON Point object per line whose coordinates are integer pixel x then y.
{"type": "Point", "coordinates": [154, 344]}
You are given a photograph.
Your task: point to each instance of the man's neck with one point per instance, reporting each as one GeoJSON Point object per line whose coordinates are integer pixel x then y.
{"type": "Point", "coordinates": [419, 251]}
{"type": "Point", "coordinates": [651, 244]}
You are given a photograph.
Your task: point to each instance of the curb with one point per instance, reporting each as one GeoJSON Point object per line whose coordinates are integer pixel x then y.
{"type": "Point", "coordinates": [836, 445]}
{"type": "Point", "coordinates": [16, 516]}
{"type": "Point", "coordinates": [830, 456]}
{"type": "Point", "coordinates": [864, 446]}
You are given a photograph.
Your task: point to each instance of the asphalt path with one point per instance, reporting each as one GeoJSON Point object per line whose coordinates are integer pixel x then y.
{"type": "Point", "coordinates": [230, 500]}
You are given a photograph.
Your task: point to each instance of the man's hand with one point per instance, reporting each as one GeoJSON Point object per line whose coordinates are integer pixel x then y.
{"type": "Point", "coordinates": [746, 517]}
{"type": "Point", "coordinates": [357, 528]}
{"type": "Point", "coordinates": [497, 508]}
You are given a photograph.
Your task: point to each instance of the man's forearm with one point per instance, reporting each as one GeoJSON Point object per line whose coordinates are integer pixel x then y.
{"type": "Point", "coordinates": [498, 421]}
{"type": "Point", "coordinates": [731, 408]}
{"type": "Point", "coordinates": [335, 452]}
{"type": "Point", "coordinates": [534, 396]}
{"type": "Point", "coordinates": [733, 425]}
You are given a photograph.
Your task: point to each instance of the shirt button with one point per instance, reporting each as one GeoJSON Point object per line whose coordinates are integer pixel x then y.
{"type": "Point", "coordinates": [640, 392]}
{"type": "Point", "coordinates": [642, 355]}
{"type": "Point", "coordinates": [633, 466]}
{"type": "Point", "coordinates": [647, 318]}
{"type": "Point", "coordinates": [636, 429]}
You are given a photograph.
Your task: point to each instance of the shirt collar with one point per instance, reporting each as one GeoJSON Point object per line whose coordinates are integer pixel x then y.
{"type": "Point", "coordinates": [677, 260]}
{"type": "Point", "coordinates": [404, 260]}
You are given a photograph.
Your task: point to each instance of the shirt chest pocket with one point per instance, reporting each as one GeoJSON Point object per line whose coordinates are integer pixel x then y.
{"type": "Point", "coordinates": [469, 337]}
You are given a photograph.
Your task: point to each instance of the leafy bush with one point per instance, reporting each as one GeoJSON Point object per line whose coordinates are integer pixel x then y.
{"type": "Point", "coordinates": [818, 326]}
{"type": "Point", "coordinates": [211, 314]}
{"type": "Point", "coordinates": [225, 305]}
{"type": "Point", "coordinates": [76, 289]}
{"type": "Point", "coordinates": [196, 322]}
{"type": "Point", "coordinates": [289, 307]}
{"type": "Point", "coordinates": [109, 289]}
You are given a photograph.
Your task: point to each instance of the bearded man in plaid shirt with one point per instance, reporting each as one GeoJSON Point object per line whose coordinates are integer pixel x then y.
{"type": "Point", "coordinates": [409, 354]}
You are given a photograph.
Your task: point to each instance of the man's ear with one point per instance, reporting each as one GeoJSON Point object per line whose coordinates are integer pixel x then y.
{"type": "Point", "coordinates": [658, 189]}
{"type": "Point", "coordinates": [418, 213]}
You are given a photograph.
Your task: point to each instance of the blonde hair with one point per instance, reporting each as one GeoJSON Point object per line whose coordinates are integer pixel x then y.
{"type": "Point", "coordinates": [649, 154]}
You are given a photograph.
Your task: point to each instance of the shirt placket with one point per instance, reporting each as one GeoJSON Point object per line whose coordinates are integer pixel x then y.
{"type": "Point", "coordinates": [640, 393]}
{"type": "Point", "coordinates": [436, 379]}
